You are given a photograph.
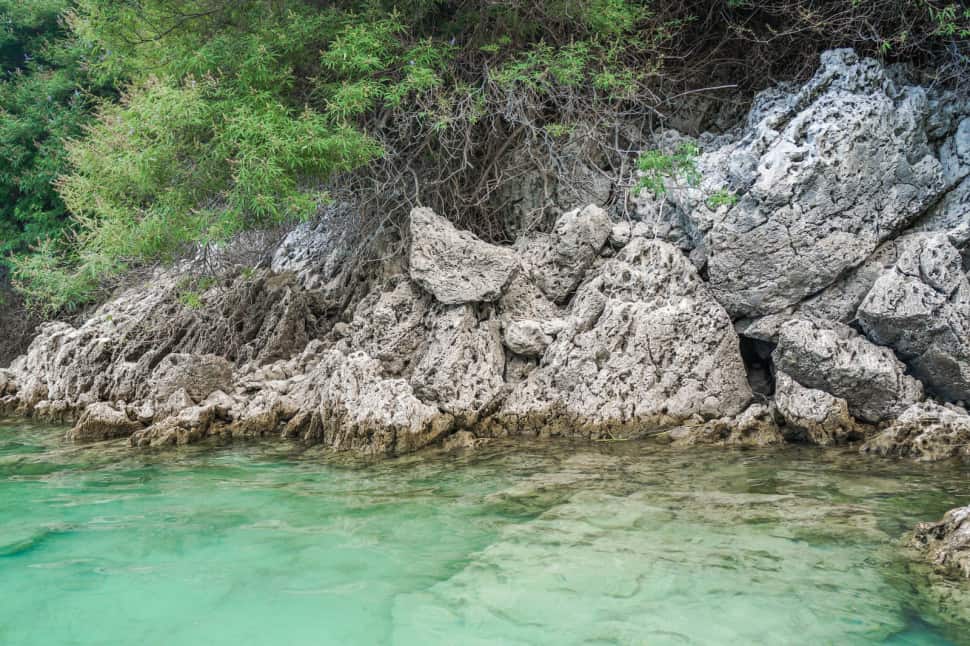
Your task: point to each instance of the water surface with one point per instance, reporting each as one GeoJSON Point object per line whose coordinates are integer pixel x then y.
{"type": "Point", "coordinates": [615, 543]}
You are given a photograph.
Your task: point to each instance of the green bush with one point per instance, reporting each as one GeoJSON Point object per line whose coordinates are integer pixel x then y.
{"type": "Point", "coordinates": [241, 114]}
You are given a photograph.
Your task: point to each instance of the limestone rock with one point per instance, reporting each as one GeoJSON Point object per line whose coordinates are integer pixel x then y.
{"type": "Point", "coordinates": [8, 382]}
{"type": "Point", "coordinates": [921, 308]}
{"type": "Point", "coordinates": [946, 544]}
{"type": "Point", "coordinates": [813, 415]}
{"type": "Point", "coordinates": [753, 427]}
{"type": "Point", "coordinates": [102, 421]}
{"type": "Point", "coordinates": [576, 240]}
{"type": "Point", "coordinates": [461, 371]}
{"type": "Point", "coordinates": [198, 375]}
{"type": "Point", "coordinates": [834, 358]}
{"type": "Point", "coordinates": [645, 343]}
{"type": "Point", "coordinates": [187, 427]}
{"type": "Point", "coordinates": [926, 432]}
{"type": "Point", "coordinates": [526, 337]}
{"type": "Point", "coordinates": [524, 300]}
{"type": "Point", "coordinates": [362, 411]}
{"type": "Point", "coordinates": [823, 176]}
{"type": "Point", "coordinates": [455, 266]}
{"type": "Point", "coordinates": [389, 324]}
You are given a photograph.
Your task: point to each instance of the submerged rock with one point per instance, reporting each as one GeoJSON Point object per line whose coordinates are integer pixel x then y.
{"type": "Point", "coordinates": [946, 544]}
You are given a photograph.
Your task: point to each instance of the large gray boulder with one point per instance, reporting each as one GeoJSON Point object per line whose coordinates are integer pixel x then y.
{"type": "Point", "coordinates": [927, 432]}
{"type": "Point", "coordinates": [812, 415]}
{"type": "Point", "coordinates": [921, 308]}
{"type": "Point", "coordinates": [455, 266]}
{"type": "Point", "coordinates": [645, 344]}
{"type": "Point", "coordinates": [834, 358]}
{"type": "Point", "coordinates": [823, 176]}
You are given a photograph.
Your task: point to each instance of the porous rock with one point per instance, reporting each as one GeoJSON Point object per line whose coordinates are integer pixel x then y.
{"type": "Point", "coordinates": [921, 308]}
{"type": "Point", "coordinates": [812, 415]}
{"type": "Point", "coordinates": [645, 343]}
{"type": "Point", "coordinates": [822, 176]}
{"type": "Point", "coordinates": [102, 421]}
{"type": "Point", "coordinates": [946, 544]}
{"type": "Point", "coordinates": [927, 432]}
{"type": "Point", "coordinates": [833, 358]}
{"type": "Point", "coordinates": [455, 266]}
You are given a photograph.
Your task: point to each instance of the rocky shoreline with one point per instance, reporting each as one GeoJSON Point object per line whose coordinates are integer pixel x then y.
{"type": "Point", "coordinates": [826, 302]}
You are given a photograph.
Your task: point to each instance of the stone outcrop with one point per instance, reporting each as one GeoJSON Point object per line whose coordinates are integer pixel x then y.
{"type": "Point", "coordinates": [834, 358]}
{"type": "Point", "coordinates": [645, 343]}
{"type": "Point", "coordinates": [841, 261]}
{"type": "Point", "coordinates": [755, 427]}
{"type": "Point", "coordinates": [921, 308]}
{"type": "Point", "coordinates": [946, 544]}
{"type": "Point", "coordinates": [558, 262]}
{"type": "Point", "coordinates": [101, 421]}
{"type": "Point", "coordinates": [926, 432]}
{"type": "Point", "coordinates": [455, 266]}
{"type": "Point", "coordinates": [814, 416]}
{"type": "Point", "coordinates": [822, 176]}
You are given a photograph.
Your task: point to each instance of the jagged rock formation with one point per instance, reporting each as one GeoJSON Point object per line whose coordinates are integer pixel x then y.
{"type": "Point", "coordinates": [840, 271]}
{"type": "Point", "coordinates": [834, 358]}
{"type": "Point", "coordinates": [921, 308]}
{"type": "Point", "coordinates": [455, 266]}
{"type": "Point", "coordinates": [645, 344]}
{"type": "Point", "coordinates": [814, 415]}
{"type": "Point", "coordinates": [823, 176]}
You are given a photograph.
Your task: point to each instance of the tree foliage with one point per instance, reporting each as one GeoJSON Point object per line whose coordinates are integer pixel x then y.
{"type": "Point", "coordinates": [238, 114]}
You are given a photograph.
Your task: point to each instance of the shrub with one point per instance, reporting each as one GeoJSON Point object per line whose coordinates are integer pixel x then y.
{"type": "Point", "coordinates": [240, 114]}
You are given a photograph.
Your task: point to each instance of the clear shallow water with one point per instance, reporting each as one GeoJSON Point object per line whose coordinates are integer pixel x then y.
{"type": "Point", "coordinates": [624, 543]}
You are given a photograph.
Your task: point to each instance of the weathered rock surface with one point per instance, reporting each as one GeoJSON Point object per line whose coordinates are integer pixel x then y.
{"type": "Point", "coordinates": [852, 213]}
{"type": "Point", "coordinates": [560, 261]}
{"type": "Point", "coordinates": [198, 375]}
{"type": "Point", "coordinates": [455, 266]}
{"type": "Point", "coordinates": [834, 358]}
{"type": "Point", "coordinates": [946, 544]}
{"type": "Point", "coordinates": [462, 368]}
{"type": "Point", "coordinates": [645, 343]}
{"type": "Point", "coordinates": [926, 432]}
{"type": "Point", "coordinates": [921, 308]}
{"type": "Point", "coordinates": [813, 416]}
{"type": "Point", "coordinates": [101, 421]}
{"type": "Point", "coordinates": [754, 427]}
{"type": "Point", "coordinates": [822, 175]}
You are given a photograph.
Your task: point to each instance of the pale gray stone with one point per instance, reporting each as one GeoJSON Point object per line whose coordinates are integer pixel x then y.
{"type": "Point", "coordinates": [834, 358]}
{"type": "Point", "coordinates": [455, 266]}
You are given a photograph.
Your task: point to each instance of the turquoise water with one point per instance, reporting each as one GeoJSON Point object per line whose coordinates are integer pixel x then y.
{"type": "Point", "coordinates": [623, 543]}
